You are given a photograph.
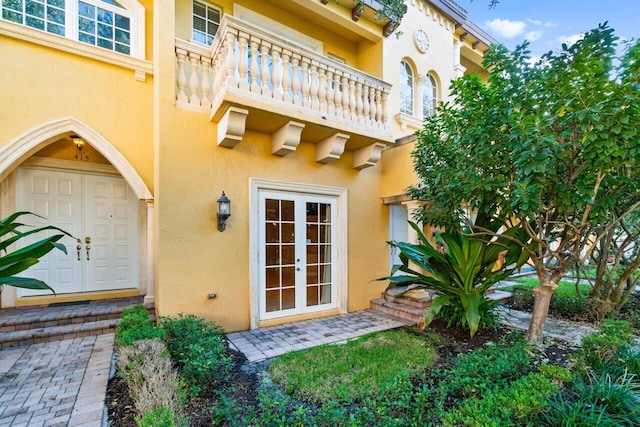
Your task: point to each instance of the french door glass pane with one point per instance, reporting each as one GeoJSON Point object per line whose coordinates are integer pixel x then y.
{"type": "Point", "coordinates": [318, 253]}
{"type": "Point", "coordinates": [279, 255]}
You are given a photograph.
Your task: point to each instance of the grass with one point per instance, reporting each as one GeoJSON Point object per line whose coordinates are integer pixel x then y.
{"type": "Point", "coordinates": [353, 370]}
{"type": "Point", "coordinates": [565, 288]}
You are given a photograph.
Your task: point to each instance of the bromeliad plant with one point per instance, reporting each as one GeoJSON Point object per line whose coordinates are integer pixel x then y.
{"type": "Point", "coordinates": [461, 275]}
{"type": "Point", "coordinates": [13, 263]}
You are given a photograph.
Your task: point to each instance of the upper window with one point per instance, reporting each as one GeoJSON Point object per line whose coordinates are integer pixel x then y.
{"type": "Point", "coordinates": [429, 95]}
{"type": "Point", "coordinates": [206, 20]}
{"type": "Point", "coordinates": [406, 88]}
{"type": "Point", "coordinates": [103, 23]}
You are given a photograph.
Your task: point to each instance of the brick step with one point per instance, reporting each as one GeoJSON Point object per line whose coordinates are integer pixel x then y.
{"type": "Point", "coordinates": [415, 298]}
{"type": "Point", "coordinates": [28, 325]}
{"type": "Point", "coordinates": [416, 314]}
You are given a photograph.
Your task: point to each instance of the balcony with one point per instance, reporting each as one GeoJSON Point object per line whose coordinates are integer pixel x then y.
{"type": "Point", "coordinates": [251, 79]}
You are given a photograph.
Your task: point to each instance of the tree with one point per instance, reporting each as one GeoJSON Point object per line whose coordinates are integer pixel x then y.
{"type": "Point", "coordinates": [15, 262]}
{"type": "Point", "coordinates": [552, 145]}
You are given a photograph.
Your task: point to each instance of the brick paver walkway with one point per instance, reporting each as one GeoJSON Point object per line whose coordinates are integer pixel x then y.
{"type": "Point", "coordinates": [61, 383]}
{"type": "Point", "coordinates": [263, 343]}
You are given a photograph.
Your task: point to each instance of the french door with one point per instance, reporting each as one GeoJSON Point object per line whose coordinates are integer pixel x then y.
{"type": "Point", "coordinates": [297, 255]}
{"type": "Point", "coordinates": [398, 226]}
{"type": "Point", "coordinates": [100, 211]}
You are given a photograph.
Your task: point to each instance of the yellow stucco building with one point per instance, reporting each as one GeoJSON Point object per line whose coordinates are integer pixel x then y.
{"type": "Point", "coordinates": [124, 121]}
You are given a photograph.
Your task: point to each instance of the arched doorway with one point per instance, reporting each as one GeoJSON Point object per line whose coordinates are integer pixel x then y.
{"type": "Point", "coordinates": [109, 207]}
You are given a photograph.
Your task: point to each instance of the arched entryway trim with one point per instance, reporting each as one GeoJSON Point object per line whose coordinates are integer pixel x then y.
{"type": "Point", "coordinates": [30, 142]}
{"type": "Point", "coordinates": [14, 153]}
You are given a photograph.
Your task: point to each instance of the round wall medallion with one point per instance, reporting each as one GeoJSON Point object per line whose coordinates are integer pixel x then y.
{"type": "Point", "coordinates": [422, 41]}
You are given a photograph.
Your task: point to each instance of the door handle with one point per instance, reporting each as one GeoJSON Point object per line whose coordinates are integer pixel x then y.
{"type": "Point", "coordinates": [79, 247]}
{"type": "Point", "coordinates": [88, 251]}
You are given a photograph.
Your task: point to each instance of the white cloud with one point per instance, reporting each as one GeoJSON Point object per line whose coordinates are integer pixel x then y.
{"type": "Point", "coordinates": [569, 40]}
{"type": "Point", "coordinates": [533, 35]}
{"type": "Point", "coordinates": [534, 21]}
{"type": "Point", "coordinates": [506, 28]}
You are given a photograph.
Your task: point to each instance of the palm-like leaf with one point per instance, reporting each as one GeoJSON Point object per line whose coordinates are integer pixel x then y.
{"type": "Point", "coordinates": [16, 262]}
{"type": "Point", "coordinates": [462, 274]}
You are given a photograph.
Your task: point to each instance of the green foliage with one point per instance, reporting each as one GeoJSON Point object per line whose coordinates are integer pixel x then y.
{"type": "Point", "coordinates": [198, 349]}
{"type": "Point", "coordinates": [162, 416]}
{"type": "Point", "coordinates": [353, 371]}
{"type": "Point", "coordinates": [601, 351]}
{"type": "Point", "coordinates": [462, 274]}
{"type": "Point", "coordinates": [517, 404]}
{"type": "Point", "coordinates": [597, 400]}
{"type": "Point", "coordinates": [486, 369]}
{"type": "Point", "coordinates": [135, 325]}
{"type": "Point", "coordinates": [14, 263]}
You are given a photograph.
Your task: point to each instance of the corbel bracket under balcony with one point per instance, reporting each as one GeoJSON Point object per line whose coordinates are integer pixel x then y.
{"type": "Point", "coordinates": [231, 127]}
{"type": "Point", "coordinates": [331, 148]}
{"type": "Point", "coordinates": [286, 139]}
{"type": "Point", "coordinates": [367, 156]}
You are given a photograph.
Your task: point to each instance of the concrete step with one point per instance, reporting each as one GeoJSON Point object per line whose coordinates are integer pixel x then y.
{"type": "Point", "coordinates": [29, 325]}
{"type": "Point", "coordinates": [419, 298]}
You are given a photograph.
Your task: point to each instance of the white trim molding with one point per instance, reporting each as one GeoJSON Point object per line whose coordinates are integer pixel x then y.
{"type": "Point", "coordinates": [342, 274]}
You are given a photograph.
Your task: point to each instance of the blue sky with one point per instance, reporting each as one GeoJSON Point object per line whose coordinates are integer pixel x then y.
{"type": "Point", "coordinates": [549, 23]}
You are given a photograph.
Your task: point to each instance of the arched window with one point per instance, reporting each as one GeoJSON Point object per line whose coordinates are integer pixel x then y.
{"type": "Point", "coordinates": [406, 88]}
{"type": "Point", "coordinates": [117, 26]}
{"type": "Point", "coordinates": [429, 95]}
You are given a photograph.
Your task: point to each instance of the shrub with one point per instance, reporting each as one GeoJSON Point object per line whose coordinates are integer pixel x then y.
{"type": "Point", "coordinates": [516, 404]}
{"type": "Point", "coordinates": [159, 417]}
{"type": "Point", "coordinates": [600, 351]}
{"type": "Point", "coordinates": [198, 349]}
{"type": "Point", "coordinates": [598, 399]}
{"type": "Point", "coordinates": [152, 381]}
{"type": "Point", "coordinates": [485, 369]}
{"type": "Point", "coordinates": [135, 325]}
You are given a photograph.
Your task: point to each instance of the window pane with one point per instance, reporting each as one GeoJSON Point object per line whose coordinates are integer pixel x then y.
{"type": "Point", "coordinates": [123, 49]}
{"type": "Point", "coordinates": [273, 300]}
{"type": "Point", "coordinates": [272, 209]}
{"type": "Point", "coordinates": [288, 233]}
{"type": "Point", "coordinates": [122, 22]}
{"type": "Point", "coordinates": [57, 3]}
{"type": "Point", "coordinates": [287, 210]}
{"type": "Point", "coordinates": [273, 277]}
{"type": "Point", "coordinates": [105, 16]}
{"type": "Point", "coordinates": [273, 232]}
{"type": "Point", "coordinates": [87, 38]}
{"type": "Point", "coordinates": [87, 10]}
{"type": "Point", "coordinates": [406, 88]}
{"type": "Point", "coordinates": [86, 25]}
{"type": "Point", "coordinates": [312, 296]}
{"type": "Point", "coordinates": [13, 5]}
{"type": "Point", "coordinates": [12, 16]}
{"type": "Point", "coordinates": [122, 37]}
{"type": "Point", "coordinates": [105, 31]}
{"type": "Point", "coordinates": [35, 9]}
{"type": "Point", "coordinates": [206, 20]}
{"type": "Point", "coordinates": [288, 298]}
{"type": "Point", "coordinates": [55, 15]}
{"type": "Point", "coordinates": [105, 43]}
{"type": "Point", "coordinates": [35, 23]}
{"type": "Point", "coordinates": [55, 29]}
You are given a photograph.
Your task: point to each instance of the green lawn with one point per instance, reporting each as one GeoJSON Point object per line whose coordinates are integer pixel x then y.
{"type": "Point", "coordinates": [566, 288]}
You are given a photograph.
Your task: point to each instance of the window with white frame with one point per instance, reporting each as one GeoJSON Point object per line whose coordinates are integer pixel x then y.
{"type": "Point", "coordinates": [103, 23]}
{"type": "Point", "coordinates": [429, 95]}
{"type": "Point", "coordinates": [206, 20]}
{"type": "Point", "coordinates": [406, 88]}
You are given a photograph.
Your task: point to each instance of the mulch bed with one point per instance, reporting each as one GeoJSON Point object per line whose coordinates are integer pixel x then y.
{"type": "Point", "coordinates": [247, 377]}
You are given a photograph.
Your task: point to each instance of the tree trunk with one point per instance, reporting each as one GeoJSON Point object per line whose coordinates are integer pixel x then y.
{"type": "Point", "coordinates": [542, 298]}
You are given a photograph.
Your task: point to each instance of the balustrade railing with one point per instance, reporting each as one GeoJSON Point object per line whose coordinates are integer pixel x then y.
{"type": "Point", "coordinates": [247, 61]}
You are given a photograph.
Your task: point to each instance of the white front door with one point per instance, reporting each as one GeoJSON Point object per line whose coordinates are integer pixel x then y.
{"type": "Point", "coordinates": [297, 255]}
{"type": "Point", "coordinates": [100, 211]}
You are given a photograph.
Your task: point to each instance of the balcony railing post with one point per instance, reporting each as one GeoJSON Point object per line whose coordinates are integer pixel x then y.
{"type": "Point", "coordinates": [182, 76]}
{"type": "Point", "coordinates": [372, 103]}
{"type": "Point", "coordinates": [359, 103]}
{"type": "Point", "coordinates": [313, 87]}
{"type": "Point", "coordinates": [322, 89]}
{"type": "Point", "coordinates": [346, 112]}
{"type": "Point", "coordinates": [276, 72]}
{"type": "Point", "coordinates": [286, 76]}
{"type": "Point", "coordinates": [305, 82]}
{"type": "Point", "coordinates": [231, 61]}
{"type": "Point", "coordinates": [194, 82]}
{"type": "Point", "coordinates": [337, 96]}
{"type": "Point", "coordinates": [265, 72]}
{"type": "Point", "coordinates": [331, 106]}
{"type": "Point", "coordinates": [297, 98]}
{"type": "Point", "coordinates": [243, 65]}
{"type": "Point", "coordinates": [206, 85]}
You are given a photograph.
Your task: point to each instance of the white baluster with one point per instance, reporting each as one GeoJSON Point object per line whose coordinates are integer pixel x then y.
{"type": "Point", "coordinates": [337, 94]}
{"type": "Point", "coordinates": [331, 107]}
{"type": "Point", "coordinates": [372, 102]}
{"type": "Point", "coordinates": [378, 107]}
{"type": "Point", "coordinates": [359, 103]}
{"type": "Point", "coordinates": [255, 71]}
{"type": "Point", "coordinates": [352, 100]}
{"type": "Point", "coordinates": [182, 77]}
{"type": "Point", "coordinates": [286, 76]}
{"type": "Point", "coordinates": [243, 64]}
{"type": "Point", "coordinates": [194, 82]}
{"type": "Point", "coordinates": [322, 90]}
{"type": "Point", "coordinates": [385, 113]}
{"type": "Point", "coordinates": [265, 70]}
{"type": "Point", "coordinates": [305, 82]}
{"type": "Point", "coordinates": [366, 108]}
{"type": "Point", "coordinates": [206, 85]}
{"type": "Point", "coordinates": [276, 73]}
{"type": "Point", "coordinates": [232, 61]}
{"type": "Point", "coordinates": [345, 97]}
{"type": "Point", "coordinates": [297, 98]}
{"type": "Point", "coordinates": [313, 88]}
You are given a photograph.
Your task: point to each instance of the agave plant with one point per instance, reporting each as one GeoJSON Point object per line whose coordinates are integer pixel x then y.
{"type": "Point", "coordinates": [13, 263]}
{"type": "Point", "coordinates": [462, 272]}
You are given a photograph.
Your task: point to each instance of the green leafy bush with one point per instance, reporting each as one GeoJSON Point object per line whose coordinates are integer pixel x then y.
{"type": "Point", "coordinates": [517, 404]}
{"type": "Point", "coordinates": [162, 416]}
{"type": "Point", "coordinates": [135, 325]}
{"type": "Point", "coordinates": [198, 348]}
{"type": "Point", "coordinates": [485, 369]}
{"type": "Point", "coordinates": [600, 351]}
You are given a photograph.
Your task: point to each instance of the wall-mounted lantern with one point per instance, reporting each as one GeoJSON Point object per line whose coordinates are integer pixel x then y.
{"type": "Point", "coordinates": [224, 211]}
